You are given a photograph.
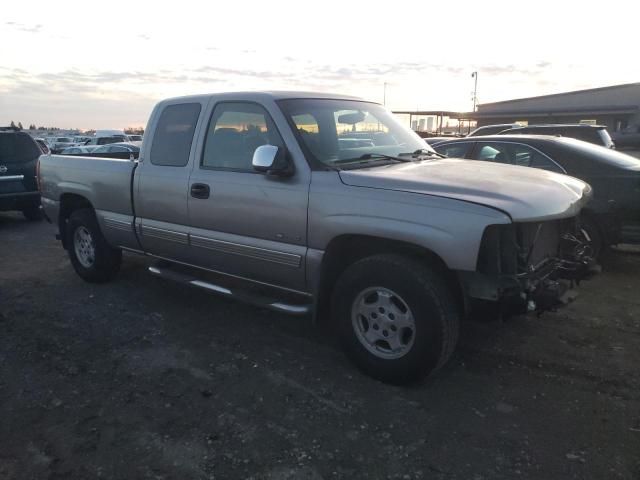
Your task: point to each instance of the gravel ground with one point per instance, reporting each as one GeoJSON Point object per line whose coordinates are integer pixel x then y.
{"type": "Point", "coordinates": [142, 378]}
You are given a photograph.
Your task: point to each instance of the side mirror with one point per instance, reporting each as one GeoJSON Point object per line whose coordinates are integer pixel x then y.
{"type": "Point", "coordinates": [271, 160]}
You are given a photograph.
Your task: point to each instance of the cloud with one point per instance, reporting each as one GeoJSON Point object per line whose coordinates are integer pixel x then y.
{"type": "Point", "coordinates": [331, 73]}
{"type": "Point", "coordinates": [22, 27]}
{"type": "Point", "coordinates": [46, 88]}
{"type": "Point", "coordinates": [118, 91]}
{"type": "Point", "coordinates": [84, 105]}
{"type": "Point", "coordinates": [513, 69]}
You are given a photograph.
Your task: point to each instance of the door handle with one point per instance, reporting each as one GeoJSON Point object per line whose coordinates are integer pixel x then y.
{"type": "Point", "coordinates": [200, 190]}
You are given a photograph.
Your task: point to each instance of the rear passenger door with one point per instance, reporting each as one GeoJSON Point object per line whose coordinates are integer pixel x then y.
{"type": "Point", "coordinates": [162, 181]}
{"type": "Point", "coordinates": [243, 222]}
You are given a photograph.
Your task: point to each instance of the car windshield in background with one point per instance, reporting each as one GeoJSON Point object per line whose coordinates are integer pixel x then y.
{"type": "Point", "coordinates": [64, 140]}
{"type": "Point", "coordinates": [339, 131]}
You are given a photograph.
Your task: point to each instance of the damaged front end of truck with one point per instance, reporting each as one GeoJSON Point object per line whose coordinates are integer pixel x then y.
{"type": "Point", "coordinates": [530, 266]}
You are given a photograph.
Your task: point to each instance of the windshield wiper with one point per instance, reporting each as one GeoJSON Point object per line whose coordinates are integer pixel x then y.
{"type": "Point", "coordinates": [371, 156]}
{"type": "Point", "coordinates": [424, 152]}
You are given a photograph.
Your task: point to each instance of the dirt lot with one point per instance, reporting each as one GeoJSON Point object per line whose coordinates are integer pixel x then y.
{"type": "Point", "coordinates": [143, 378]}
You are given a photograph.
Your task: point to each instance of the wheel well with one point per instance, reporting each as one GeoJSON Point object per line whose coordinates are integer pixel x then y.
{"type": "Point", "coordinates": [606, 224]}
{"type": "Point", "coordinates": [69, 203]}
{"type": "Point", "coordinates": [348, 249]}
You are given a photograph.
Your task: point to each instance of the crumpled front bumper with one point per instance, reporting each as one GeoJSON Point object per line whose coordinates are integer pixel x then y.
{"type": "Point", "coordinates": [522, 295]}
{"type": "Point", "coordinates": [531, 267]}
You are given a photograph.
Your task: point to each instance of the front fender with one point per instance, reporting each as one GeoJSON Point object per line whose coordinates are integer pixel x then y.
{"type": "Point", "coordinates": [452, 229]}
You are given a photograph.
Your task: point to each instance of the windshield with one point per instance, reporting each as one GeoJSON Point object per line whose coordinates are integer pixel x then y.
{"type": "Point", "coordinates": [64, 140]}
{"type": "Point", "coordinates": [338, 131]}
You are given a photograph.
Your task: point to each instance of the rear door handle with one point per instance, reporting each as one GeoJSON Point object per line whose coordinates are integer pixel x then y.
{"type": "Point", "coordinates": [200, 190]}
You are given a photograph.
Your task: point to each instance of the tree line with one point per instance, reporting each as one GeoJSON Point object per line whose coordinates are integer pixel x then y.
{"type": "Point", "coordinates": [128, 131]}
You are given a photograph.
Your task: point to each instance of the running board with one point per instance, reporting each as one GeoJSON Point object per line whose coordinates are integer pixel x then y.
{"type": "Point", "coordinates": [238, 294]}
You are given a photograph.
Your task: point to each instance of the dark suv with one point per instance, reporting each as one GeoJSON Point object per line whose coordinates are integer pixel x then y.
{"type": "Point", "coordinates": [596, 134]}
{"type": "Point", "coordinates": [19, 155]}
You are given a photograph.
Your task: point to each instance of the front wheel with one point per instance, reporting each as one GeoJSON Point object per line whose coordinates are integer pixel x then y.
{"type": "Point", "coordinates": [396, 317]}
{"type": "Point", "coordinates": [90, 254]}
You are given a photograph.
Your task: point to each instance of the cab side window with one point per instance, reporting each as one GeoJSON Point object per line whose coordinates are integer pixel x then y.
{"type": "Point", "coordinates": [235, 131]}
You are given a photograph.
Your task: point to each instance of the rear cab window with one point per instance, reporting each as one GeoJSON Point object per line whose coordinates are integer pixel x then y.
{"type": "Point", "coordinates": [173, 135]}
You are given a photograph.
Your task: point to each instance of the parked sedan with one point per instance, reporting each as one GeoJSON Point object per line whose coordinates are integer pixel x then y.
{"type": "Point", "coordinates": [80, 150]}
{"type": "Point", "coordinates": [613, 216]}
{"type": "Point", "coordinates": [129, 151]}
{"type": "Point", "coordinates": [104, 140]}
{"type": "Point", "coordinates": [57, 144]}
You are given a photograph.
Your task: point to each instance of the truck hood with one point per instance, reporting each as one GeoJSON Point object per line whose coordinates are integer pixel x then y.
{"type": "Point", "coordinates": [525, 194]}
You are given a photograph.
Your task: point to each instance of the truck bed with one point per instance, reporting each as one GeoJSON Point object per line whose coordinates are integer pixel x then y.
{"type": "Point", "coordinates": [105, 182]}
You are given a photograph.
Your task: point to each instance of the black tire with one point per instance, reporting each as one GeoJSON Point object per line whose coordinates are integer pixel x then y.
{"type": "Point", "coordinates": [33, 213]}
{"type": "Point", "coordinates": [430, 301]}
{"type": "Point", "coordinates": [593, 235]}
{"type": "Point", "coordinates": [106, 259]}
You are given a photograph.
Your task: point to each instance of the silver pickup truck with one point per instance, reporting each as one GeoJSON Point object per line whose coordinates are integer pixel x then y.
{"type": "Point", "coordinates": [327, 205]}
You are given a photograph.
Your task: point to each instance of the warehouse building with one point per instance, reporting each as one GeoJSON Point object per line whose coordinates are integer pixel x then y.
{"type": "Point", "coordinates": [617, 107]}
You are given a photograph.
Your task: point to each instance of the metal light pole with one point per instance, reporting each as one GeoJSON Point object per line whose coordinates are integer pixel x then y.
{"type": "Point", "coordinates": [475, 90]}
{"type": "Point", "coordinates": [384, 94]}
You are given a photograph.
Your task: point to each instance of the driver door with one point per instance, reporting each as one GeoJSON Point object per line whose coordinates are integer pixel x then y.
{"type": "Point", "coordinates": [243, 222]}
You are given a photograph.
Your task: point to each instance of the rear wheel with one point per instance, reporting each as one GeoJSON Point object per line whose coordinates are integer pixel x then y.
{"type": "Point", "coordinates": [397, 318]}
{"type": "Point", "coordinates": [90, 254]}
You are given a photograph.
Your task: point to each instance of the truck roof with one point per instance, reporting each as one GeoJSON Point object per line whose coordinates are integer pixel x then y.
{"type": "Point", "coordinates": [267, 94]}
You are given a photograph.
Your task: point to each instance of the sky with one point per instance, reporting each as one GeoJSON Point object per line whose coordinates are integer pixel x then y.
{"type": "Point", "coordinates": [105, 64]}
